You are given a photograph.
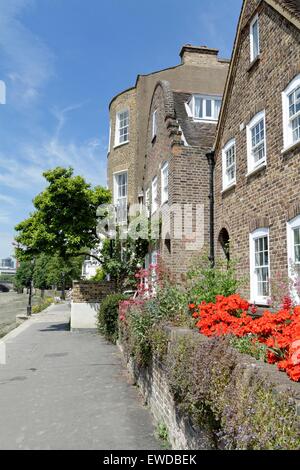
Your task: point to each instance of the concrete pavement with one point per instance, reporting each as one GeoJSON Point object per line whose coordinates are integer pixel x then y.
{"type": "Point", "coordinates": [62, 390]}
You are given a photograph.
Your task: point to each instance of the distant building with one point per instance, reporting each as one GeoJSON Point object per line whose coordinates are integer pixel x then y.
{"type": "Point", "coordinates": [91, 265]}
{"type": "Point", "coordinates": [7, 266]}
{"type": "Point", "coordinates": [7, 263]}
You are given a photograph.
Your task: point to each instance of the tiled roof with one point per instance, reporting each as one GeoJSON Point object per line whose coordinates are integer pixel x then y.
{"type": "Point", "coordinates": [293, 6]}
{"type": "Point", "coordinates": [195, 133]}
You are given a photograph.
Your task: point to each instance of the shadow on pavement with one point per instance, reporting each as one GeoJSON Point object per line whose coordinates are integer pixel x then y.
{"type": "Point", "coordinates": [58, 327]}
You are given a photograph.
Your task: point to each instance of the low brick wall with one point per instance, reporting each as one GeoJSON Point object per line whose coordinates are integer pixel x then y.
{"type": "Point", "coordinates": [153, 384]}
{"type": "Point", "coordinates": [154, 388]}
{"type": "Point", "coordinates": [92, 292]}
{"type": "Point", "coordinates": [85, 303]}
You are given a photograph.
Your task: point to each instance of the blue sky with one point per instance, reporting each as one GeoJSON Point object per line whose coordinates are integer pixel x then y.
{"type": "Point", "coordinates": [63, 61]}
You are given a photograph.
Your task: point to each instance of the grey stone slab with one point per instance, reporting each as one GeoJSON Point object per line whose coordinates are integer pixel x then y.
{"type": "Point", "coordinates": [62, 390]}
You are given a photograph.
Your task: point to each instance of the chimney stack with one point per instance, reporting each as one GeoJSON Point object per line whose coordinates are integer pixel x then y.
{"type": "Point", "coordinates": [198, 55]}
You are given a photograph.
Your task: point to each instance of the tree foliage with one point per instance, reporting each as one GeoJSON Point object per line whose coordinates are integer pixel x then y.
{"type": "Point", "coordinates": [121, 258]}
{"type": "Point", "coordinates": [64, 220]}
{"type": "Point", "coordinates": [47, 271]}
{"type": "Point", "coordinates": [23, 275]}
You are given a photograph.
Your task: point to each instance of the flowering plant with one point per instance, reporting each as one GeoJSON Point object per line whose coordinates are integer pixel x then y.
{"type": "Point", "coordinates": [280, 331]}
{"type": "Point", "coordinates": [147, 281]}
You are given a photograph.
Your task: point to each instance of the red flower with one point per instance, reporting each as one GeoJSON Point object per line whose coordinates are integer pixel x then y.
{"type": "Point", "coordinates": [278, 331]}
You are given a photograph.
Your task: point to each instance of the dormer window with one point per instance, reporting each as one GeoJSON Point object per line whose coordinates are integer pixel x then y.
{"type": "Point", "coordinates": [254, 39]}
{"type": "Point", "coordinates": [205, 108]}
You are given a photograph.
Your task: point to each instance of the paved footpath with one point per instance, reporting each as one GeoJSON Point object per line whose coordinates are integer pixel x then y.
{"type": "Point", "coordinates": [63, 390]}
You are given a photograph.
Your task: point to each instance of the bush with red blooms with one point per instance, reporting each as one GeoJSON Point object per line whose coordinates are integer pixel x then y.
{"type": "Point", "coordinates": [147, 282]}
{"type": "Point", "coordinates": [280, 331]}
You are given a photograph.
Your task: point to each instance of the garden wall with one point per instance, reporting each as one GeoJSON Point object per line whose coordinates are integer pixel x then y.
{"type": "Point", "coordinates": [209, 396]}
{"type": "Point", "coordinates": [86, 299]}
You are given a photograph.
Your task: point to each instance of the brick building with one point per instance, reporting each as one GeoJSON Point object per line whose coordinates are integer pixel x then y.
{"type": "Point", "coordinates": [161, 130]}
{"type": "Point", "coordinates": [257, 148]}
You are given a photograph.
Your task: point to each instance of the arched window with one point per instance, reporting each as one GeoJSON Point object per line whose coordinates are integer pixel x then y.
{"type": "Point", "coordinates": [291, 113]}
{"type": "Point", "coordinates": [224, 242]}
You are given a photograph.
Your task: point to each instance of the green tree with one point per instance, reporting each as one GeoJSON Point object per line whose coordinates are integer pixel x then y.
{"type": "Point", "coordinates": [23, 276]}
{"type": "Point", "coordinates": [62, 272]}
{"type": "Point", "coordinates": [40, 273]}
{"type": "Point", "coordinates": [64, 221]}
{"type": "Point", "coordinates": [121, 258]}
{"type": "Point", "coordinates": [50, 271]}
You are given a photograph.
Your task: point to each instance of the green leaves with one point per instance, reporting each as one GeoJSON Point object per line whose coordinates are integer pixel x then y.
{"type": "Point", "coordinates": [48, 271]}
{"type": "Point", "coordinates": [64, 220]}
{"type": "Point", "coordinates": [205, 282]}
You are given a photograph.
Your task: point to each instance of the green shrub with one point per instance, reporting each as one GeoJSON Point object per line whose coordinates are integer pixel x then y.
{"type": "Point", "coordinates": [42, 305]}
{"type": "Point", "coordinates": [235, 402]}
{"type": "Point", "coordinates": [205, 282]}
{"type": "Point", "coordinates": [139, 323]}
{"type": "Point", "coordinates": [107, 318]}
{"type": "Point", "coordinates": [172, 301]}
{"type": "Point", "coordinates": [145, 334]}
{"type": "Point", "coordinates": [99, 276]}
{"type": "Point", "coordinates": [245, 345]}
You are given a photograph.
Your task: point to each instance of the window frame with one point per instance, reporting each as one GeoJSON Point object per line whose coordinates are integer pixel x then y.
{"type": "Point", "coordinates": [254, 56]}
{"type": "Point", "coordinates": [118, 128]}
{"type": "Point", "coordinates": [154, 196]}
{"type": "Point", "coordinates": [154, 124]}
{"type": "Point", "coordinates": [287, 119]}
{"type": "Point", "coordinates": [164, 187]}
{"type": "Point", "coordinates": [109, 137]}
{"type": "Point", "coordinates": [254, 295]}
{"type": "Point", "coordinates": [291, 226]}
{"type": "Point", "coordinates": [226, 183]}
{"type": "Point", "coordinates": [205, 98]}
{"type": "Point", "coordinates": [252, 165]}
{"type": "Point", "coordinates": [147, 201]}
{"type": "Point", "coordinates": [116, 196]}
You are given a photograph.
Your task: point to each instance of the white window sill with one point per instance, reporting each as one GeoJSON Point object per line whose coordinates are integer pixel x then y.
{"type": "Point", "coordinates": [120, 145]}
{"type": "Point", "coordinates": [291, 147]}
{"type": "Point", "coordinates": [229, 187]}
{"type": "Point", "coordinates": [206, 121]}
{"type": "Point", "coordinates": [260, 302]}
{"type": "Point", "coordinates": [257, 169]}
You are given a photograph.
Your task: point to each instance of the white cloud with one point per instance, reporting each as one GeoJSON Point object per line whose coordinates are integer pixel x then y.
{"type": "Point", "coordinates": [4, 218]}
{"type": "Point", "coordinates": [6, 247]}
{"type": "Point", "coordinates": [18, 174]}
{"type": "Point", "coordinates": [27, 60]}
{"type": "Point", "coordinates": [7, 199]}
{"type": "Point", "coordinates": [30, 160]}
